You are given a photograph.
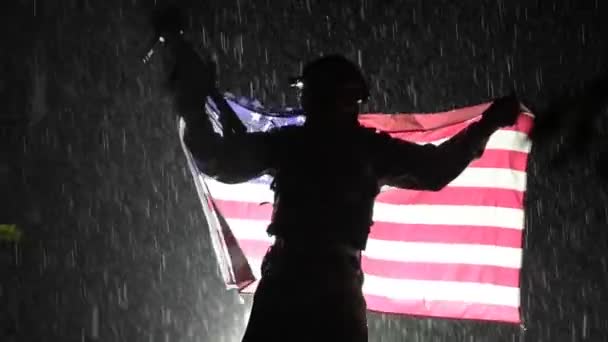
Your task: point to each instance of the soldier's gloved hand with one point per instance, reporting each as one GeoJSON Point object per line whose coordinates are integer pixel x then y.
{"type": "Point", "coordinates": [169, 23]}
{"type": "Point", "coordinates": [503, 112]}
{"type": "Point", "coordinates": [193, 76]}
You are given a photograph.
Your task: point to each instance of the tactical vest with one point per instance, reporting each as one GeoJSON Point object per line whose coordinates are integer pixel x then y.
{"type": "Point", "coordinates": [325, 194]}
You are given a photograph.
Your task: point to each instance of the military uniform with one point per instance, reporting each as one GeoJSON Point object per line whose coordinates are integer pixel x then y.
{"type": "Point", "coordinates": [325, 184]}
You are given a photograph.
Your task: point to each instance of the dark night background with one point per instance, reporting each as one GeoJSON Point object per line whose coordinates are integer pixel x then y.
{"type": "Point", "coordinates": [114, 244]}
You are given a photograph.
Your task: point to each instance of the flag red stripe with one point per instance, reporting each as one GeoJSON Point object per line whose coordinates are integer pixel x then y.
{"type": "Point", "coordinates": [523, 124]}
{"type": "Point", "coordinates": [504, 198]}
{"type": "Point", "coordinates": [457, 234]}
{"type": "Point", "coordinates": [403, 129]}
{"type": "Point", "coordinates": [254, 248]}
{"type": "Point", "coordinates": [484, 274]}
{"type": "Point", "coordinates": [499, 237]}
{"type": "Point", "coordinates": [250, 288]}
{"type": "Point", "coordinates": [426, 125]}
{"type": "Point", "coordinates": [450, 196]}
{"type": "Point", "coordinates": [421, 121]}
{"type": "Point", "coordinates": [474, 235]}
{"type": "Point", "coordinates": [434, 308]}
{"type": "Point", "coordinates": [244, 210]}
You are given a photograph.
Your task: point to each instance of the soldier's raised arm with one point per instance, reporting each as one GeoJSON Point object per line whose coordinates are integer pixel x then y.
{"type": "Point", "coordinates": [232, 157]}
{"type": "Point", "coordinates": [408, 165]}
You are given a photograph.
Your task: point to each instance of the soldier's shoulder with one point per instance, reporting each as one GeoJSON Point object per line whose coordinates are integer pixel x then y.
{"type": "Point", "coordinates": [368, 130]}
{"type": "Point", "coordinates": [373, 133]}
{"type": "Point", "coordinates": [286, 134]}
{"type": "Point", "coordinates": [290, 130]}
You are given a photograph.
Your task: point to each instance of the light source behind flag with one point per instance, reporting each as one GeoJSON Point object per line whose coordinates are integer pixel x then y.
{"type": "Point", "coordinates": [455, 253]}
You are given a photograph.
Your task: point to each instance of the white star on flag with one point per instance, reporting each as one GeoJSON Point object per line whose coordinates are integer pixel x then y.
{"type": "Point", "coordinates": [255, 117]}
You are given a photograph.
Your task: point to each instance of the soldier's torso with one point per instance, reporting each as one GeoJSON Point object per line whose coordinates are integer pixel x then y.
{"type": "Point", "coordinates": [325, 188]}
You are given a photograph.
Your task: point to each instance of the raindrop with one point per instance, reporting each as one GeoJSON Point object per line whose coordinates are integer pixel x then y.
{"type": "Point", "coordinates": [95, 322]}
{"type": "Point", "coordinates": [501, 9]}
{"type": "Point", "coordinates": [123, 300]}
{"type": "Point", "coordinates": [328, 26]}
{"type": "Point", "coordinates": [204, 36]}
{"type": "Point", "coordinates": [83, 289]}
{"type": "Point", "coordinates": [362, 10]}
{"type": "Point", "coordinates": [238, 10]}
{"type": "Point", "coordinates": [124, 140]}
{"type": "Point", "coordinates": [395, 31]}
{"type": "Point", "coordinates": [223, 41]}
{"type": "Point", "coordinates": [148, 212]}
{"type": "Point", "coordinates": [240, 44]}
{"type": "Point", "coordinates": [72, 258]}
{"type": "Point", "coordinates": [44, 259]}
{"type": "Point", "coordinates": [539, 78]}
{"type": "Point", "coordinates": [475, 78]}
{"type": "Point", "coordinates": [105, 141]}
{"type": "Point", "coordinates": [166, 315]}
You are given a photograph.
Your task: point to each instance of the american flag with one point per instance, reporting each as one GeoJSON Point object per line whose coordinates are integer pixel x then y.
{"type": "Point", "coordinates": [455, 253]}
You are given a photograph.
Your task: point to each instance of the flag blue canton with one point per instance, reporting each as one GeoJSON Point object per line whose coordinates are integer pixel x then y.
{"type": "Point", "coordinates": [257, 118]}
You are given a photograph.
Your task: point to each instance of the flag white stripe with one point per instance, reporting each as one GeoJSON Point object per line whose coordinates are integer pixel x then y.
{"type": "Point", "coordinates": [496, 178]}
{"type": "Point", "coordinates": [474, 293]}
{"type": "Point", "coordinates": [256, 266]}
{"type": "Point", "coordinates": [510, 141]}
{"type": "Point", "coordinates": [444, 253]}
{"type": "Point", "coordinates": [472, 254]}
{"type": "Point", "coordinates": [501, 140]}
{"type": "Point", "coordinates": [486, 216]}
{"type": "Point", "coordinates": [243, 192]}
{"type": "Point", "coordinates": [406, 289]}
{"type": "Point", "coordinates": [470, 215]}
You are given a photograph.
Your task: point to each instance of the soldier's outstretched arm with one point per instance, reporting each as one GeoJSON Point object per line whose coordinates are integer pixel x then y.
{"type": "Point", "coordinates": [408, 165]}
{"type": "Point", "coordinates": [232, 157]}
{"type": "Point", "coordinates": [428, 167]}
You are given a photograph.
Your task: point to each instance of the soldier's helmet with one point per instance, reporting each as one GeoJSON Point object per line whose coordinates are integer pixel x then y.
{"type": "Point", "coordinates": [329, 78]}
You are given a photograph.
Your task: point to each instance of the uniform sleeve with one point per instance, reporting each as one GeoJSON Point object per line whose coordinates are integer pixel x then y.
{"type": "Point", "coordinates": [408, 165]}
{"type": "Point", "coordinates": [231, 159]}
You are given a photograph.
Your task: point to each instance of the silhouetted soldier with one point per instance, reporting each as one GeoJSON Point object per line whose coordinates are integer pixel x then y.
{"type": "Point", "coordinates": [327, 174]}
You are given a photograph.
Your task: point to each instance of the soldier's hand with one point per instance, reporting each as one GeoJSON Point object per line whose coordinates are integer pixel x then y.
{"type": "Point", "coordinates": [168, 22]}
{"type": "Point", "coordinates": [503, 112]}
